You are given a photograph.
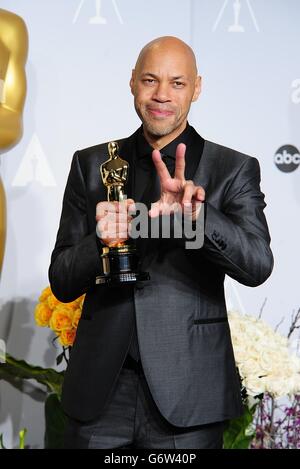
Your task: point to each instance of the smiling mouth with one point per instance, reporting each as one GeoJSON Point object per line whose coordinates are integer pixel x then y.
{"type": "Point", "coordinates": [160, 113]}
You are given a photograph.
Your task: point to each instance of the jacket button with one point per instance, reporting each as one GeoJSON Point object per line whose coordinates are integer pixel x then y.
{"type": "Point", "coordinates": [215, 236]}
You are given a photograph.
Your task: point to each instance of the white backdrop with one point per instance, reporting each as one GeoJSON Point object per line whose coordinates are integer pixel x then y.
{"type": "Point", "coordinates": [78, 72]}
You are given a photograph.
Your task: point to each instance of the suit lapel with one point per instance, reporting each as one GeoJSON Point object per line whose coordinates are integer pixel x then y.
{"type": "Point", "coordinates": [193, 156]}
{"type": "Point", "coordinates": [204, 169]}
{"type": "Point", "coordinates": [128, 153]}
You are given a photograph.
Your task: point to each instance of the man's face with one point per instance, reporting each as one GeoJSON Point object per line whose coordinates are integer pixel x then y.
{"type": "Point", "coordinates": [164, 84]}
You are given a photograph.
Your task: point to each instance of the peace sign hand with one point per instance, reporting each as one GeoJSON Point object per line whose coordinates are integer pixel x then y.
{"type": "Point", "coordinates": [176, 193]}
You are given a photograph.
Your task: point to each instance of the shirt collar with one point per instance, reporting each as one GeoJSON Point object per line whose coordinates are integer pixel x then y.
{"type": "Point", "coordinates": [144, 148]}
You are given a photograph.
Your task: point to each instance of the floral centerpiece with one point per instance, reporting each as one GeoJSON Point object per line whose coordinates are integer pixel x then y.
{"type": "Point", "coordinates": [263, 357]}
{"type": "Point", "coordinates": [267, 369]}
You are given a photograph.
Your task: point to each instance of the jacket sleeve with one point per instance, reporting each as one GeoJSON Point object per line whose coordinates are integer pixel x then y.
{"type": "Point", "coordinates": [237, 238]}
{"type": "Point", "coordinates": [75, 261]}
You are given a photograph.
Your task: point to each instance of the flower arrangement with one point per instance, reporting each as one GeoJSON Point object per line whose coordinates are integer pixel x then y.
{"type": "Point", "coordinates": [267, 369]}
{"type": "Point", "coordinates": [62, 318]}
{"type": "Point", "coordinates": [263, 357]}
{"type": "Point", "coordinates": [277, 425]}
{"type": "Point", "coordinates": [269, 372]}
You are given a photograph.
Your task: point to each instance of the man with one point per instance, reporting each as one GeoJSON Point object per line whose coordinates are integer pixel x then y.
{"type": "Point", "coordinates": [152, 365]}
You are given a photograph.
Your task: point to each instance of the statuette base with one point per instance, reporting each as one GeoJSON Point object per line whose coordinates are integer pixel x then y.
{"type": "Point", "coordinates": [120, 266]}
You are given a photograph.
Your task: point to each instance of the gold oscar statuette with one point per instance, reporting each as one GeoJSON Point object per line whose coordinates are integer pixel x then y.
{"type": "Point", "coordinates": [13, 55]}
{"type": "Point", "coordinates": [121, 262]}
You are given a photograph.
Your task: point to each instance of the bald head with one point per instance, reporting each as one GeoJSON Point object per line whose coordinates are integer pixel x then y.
{"type": "Point", "coordinates": [171, 46]}
{"type": "Point", "coordinates": [164, 83]}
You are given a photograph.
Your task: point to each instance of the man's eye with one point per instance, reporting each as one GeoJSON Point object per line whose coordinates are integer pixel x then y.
{"type": "Point", "coordinates": [178, 84]}
{"type": "Point", "coordinates": [149, 81]}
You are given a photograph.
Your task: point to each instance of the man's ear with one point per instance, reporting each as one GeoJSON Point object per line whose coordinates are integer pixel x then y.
{"type": "Point", "coordinates": [198, 88]}
{"type": "Point", "coordinates": [131, 83]}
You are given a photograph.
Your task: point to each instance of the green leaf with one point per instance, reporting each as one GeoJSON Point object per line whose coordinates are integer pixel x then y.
{"type": "Point", "coordinates": [60, 358]}
{"type": "Point", "coordinates": [22, 434]}
{"type": "Point", "coordinates": [13, 368]}
{"type": "Point", "coordinates": [1, 442]}
{"type": "Point", "coordinates": [55, 423]}
{"type": "Point", "coordinates": [237, 434]}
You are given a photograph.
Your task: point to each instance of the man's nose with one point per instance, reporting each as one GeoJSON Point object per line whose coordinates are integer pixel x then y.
{"type": "Point", "coordinates": [161, 93]}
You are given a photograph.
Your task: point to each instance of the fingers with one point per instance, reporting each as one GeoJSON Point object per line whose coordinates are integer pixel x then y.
{"type": "Point", "coordinates": [188, 193]}
{"type": "Point", "coordinates": [163, 208]}
{"type": "Point", "coordinates": [191, 192]}
{"type": "Point", "coordinates": [129, 203]}
{"type": "Point", "coordinates": [180, 162]}
{"type": "Point", "coordinates": [200, 194]}
{"type": "Point", "coordinates": [112, 233]}
{"type": "Point", "coordinates": [103, 209]}
{"type": "Point", "coordinates": [188, 196]}
{"type": "Point", "coordinates": [113, 219]}
{"type": "Point", "coordinates": [160, 208]}
{"type": "Point", "coordinates": [155, 210]}
{"type": "Point", "coordinates": [160, 166]}
{"type": "Point", "coordinates": [192, 199]}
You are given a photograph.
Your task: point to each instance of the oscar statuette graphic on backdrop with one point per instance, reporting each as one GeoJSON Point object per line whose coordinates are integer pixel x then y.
{"type": "Point", "coordinates": [238, 7]}
{"type": "Point", "coordinates": [98, 18]}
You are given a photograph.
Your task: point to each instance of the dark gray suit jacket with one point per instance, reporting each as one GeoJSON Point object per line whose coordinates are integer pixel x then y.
{"type": "Point", "coordinates": [181, 317]}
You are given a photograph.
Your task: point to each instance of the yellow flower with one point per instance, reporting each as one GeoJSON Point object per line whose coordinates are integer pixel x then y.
{"type": "Point", "coordinates": [76, 317]}
{"type": "Point", "coordinates": [80, 301]}
{"type": "Point", "coordinates": [45, 293]}
{"type": "Point", "coordinates": [52, 301]}
{"type": "Point", "coordinates": [42, 314]}
{"type": "Point", "coordinates": [61, 318]}
{"type": "Point", "coordinates": [67, 336]}
{"type": "Point", "coordinates": [73, 305]}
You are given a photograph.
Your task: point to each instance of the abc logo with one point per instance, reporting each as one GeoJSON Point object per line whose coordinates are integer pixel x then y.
{"type": "Point", "coordinates": [287, 159]}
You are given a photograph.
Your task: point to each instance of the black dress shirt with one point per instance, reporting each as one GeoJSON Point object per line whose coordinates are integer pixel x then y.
{"type": "Point", "coordinates": [144, 172]}
{"type": "Point", "coordinates": [144, 163]}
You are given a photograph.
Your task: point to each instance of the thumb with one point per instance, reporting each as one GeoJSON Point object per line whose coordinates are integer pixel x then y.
{"type": "Point", "coordinates": [154, 211]}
